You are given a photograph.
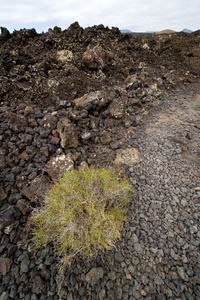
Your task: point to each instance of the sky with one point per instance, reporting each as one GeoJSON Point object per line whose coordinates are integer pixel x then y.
{"type": "Point", "coordinates": [135, 15]}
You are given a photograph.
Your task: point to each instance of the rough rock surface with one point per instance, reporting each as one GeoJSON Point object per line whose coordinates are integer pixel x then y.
{"type": "Point", "coordinates": [145, 106]}
{"type": "Point", "coordinates": [68, 133]}
{"type": "Point", "coordinates": [57, 165]}
{"type": "Point", "coordinates": [128, 157]}
{"type": "Point", "coordinates": [37, 189]}
{"type": "Point", "coordinates": [64, 65]}
{"type": "Point", "coordinates": [93, 276]}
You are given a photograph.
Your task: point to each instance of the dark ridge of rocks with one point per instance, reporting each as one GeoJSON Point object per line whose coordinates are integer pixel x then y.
{"type": "Point", "coordinates": [43, 68]}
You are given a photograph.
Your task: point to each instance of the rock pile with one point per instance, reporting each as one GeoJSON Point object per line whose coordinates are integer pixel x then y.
{"type": "Point", "coordinates": [84, 96]}
{"type": "Point", "coordinates": [64, 65]}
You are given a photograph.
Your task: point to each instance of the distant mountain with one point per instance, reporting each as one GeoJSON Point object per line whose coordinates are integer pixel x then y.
{"type": "Point", "coordinates": [186, 30]}
{"type": "Point", "coordinates": [125, 31]}
{"type": "Point", "coordinates": [166, 31]}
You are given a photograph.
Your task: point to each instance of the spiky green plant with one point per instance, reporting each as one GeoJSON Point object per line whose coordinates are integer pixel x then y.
{"type": "Point", "coordinates": [83, 212]}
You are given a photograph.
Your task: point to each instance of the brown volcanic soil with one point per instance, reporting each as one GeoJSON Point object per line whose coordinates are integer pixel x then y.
{"type": "Point", "coordinates": [32, 72]}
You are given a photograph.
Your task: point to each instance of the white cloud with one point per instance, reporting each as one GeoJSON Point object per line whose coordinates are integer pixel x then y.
{"type": "Point", "coordinates": [136, 15]}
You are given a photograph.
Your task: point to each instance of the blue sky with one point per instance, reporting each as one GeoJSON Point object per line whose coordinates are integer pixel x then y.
{"type": "Point", "coordinates": [142, 15]}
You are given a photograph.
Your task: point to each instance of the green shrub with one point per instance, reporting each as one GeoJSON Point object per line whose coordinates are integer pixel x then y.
{"type": "Point", "coordinates": [83, 212]}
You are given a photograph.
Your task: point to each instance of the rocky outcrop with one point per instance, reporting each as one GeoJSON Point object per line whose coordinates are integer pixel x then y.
{"type": "Point", "coordinates": [43, 68]}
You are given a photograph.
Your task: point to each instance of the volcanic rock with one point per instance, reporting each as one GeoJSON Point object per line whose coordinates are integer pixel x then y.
{"type": "Point", "coordinates": [94, 100]}
{"type": "Point", "coordinates": [94, 57]}
{"type": "Point", "coordinates": [5, 264]}
{"type": "Point", "coordinates": [3, 196]}
{"type": "Point", "coordinates": [130, 157]}
{"type": "Point", "coordinates": [68, 133]}
{"type": "Point", "coordinates": [16, 122]}
{"type": "Point", "coordinates": [6, 216]}
{"type": "Point", "coordinates": [59, 164]}
{"type": "Point", "coordinates": [94, 275]}
{"type": "Point", "coordinates": [22, 206]}
{"type": "Point", "coordinates": [116, 108]}
{"type": "Point", "coordinates": [105, 137]}
{"type": "Point", "coordinates": [37, 189]}
{"type": "Point", "coordinates": [38, 285]}
{"type": "Point", "coordinates": [5, 34]}
{"type": "Point", "coordinates": [130, 80]}
{"type": "Point", "coordinates": [64, 56]}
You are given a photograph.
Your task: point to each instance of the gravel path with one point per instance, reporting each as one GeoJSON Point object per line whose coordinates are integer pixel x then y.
{"type": "Point", "coordinates": [166, 215]}
{"type": "Point", "coordinates": [157, 256]}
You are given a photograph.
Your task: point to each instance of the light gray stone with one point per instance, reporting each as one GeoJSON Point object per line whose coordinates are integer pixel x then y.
{"type": "Point", "coordinates": [58, 165]}
{"type": "Point", "coordinates": [129, 156]}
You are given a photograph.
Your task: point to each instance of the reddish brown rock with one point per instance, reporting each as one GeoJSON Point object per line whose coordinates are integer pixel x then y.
{"type": "Point", "coordinates": [28, 110]}
{"type": "Point", "coordinates": [16, 122]}
{"type": "Point", "coordinates": [5, 264]}
{"type": "Point", "coordinates": [94, 57]}
{"type": "Point", "coordinates": [23, 155]}
{"type": "Point", "coordinates": [49, 121]}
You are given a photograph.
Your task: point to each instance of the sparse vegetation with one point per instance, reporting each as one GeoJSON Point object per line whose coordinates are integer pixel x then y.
{"type": "Point", "coordinates": [83, 212]}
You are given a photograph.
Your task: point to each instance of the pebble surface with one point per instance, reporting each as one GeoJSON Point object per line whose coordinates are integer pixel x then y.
{"type": "Point", "coordinates": [157, 256]}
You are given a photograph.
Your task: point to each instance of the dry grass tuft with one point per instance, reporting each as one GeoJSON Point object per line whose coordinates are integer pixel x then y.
{"type": "Point", "coordinates": [82, 213]}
